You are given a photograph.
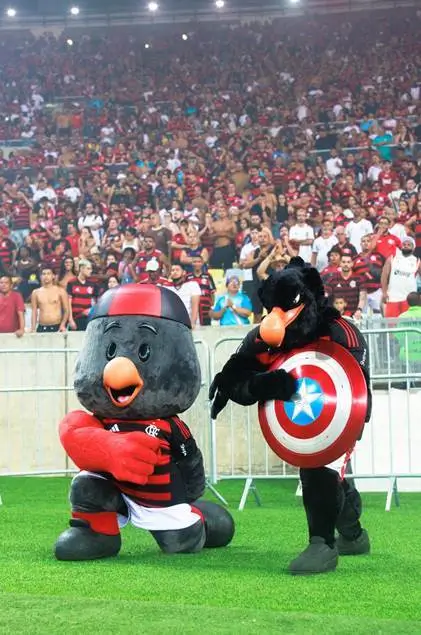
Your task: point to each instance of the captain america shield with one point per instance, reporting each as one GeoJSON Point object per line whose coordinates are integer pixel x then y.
{"type": "Point", "coordinates": [327, 414]}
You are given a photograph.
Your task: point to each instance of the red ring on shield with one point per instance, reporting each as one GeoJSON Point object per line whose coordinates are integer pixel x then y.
{"type": "Point", "coordinates": [329, 406]}
{"type": "Point", "coordinates": [337, 414]}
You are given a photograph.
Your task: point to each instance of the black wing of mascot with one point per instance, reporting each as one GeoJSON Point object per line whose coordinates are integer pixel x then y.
{"type": "Point", "coordinates": [296, 302]}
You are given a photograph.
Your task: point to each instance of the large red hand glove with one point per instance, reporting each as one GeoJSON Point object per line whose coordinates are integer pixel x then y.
{"type": "Point", "coordinates": [133, 456]}
{"type": "Point", "coordinates": [128, 456]}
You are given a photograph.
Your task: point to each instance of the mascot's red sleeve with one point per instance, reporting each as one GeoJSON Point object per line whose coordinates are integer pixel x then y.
{"type": "Point", "coordinates": [128, 457]}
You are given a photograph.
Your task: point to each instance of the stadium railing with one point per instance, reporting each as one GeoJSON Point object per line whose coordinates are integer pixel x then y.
{"type": "Point", "coordinates": [36, 391]}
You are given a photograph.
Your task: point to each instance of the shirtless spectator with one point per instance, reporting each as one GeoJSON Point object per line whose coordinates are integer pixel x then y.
{"type": "Point", "coordinates": [163, 235]}
{"type": "Point", "coordinates": [50, 305]}
{"type": "Point", "coordinates": [223, 232]}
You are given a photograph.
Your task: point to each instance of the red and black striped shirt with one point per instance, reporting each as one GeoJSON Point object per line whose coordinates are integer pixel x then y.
{"type": "Point", "coordinates": [82, 296]}
{"type": "Point", "coordinates": [369, 268]}
{"type": "Point", "coordinates": [165, 487]}
{"type": "Point", "coordinates": [347, 288]}
{"type": "Point", "coordinates": [6, 249]}
{"type": "Point", "coordinates": [21, 217]}
{"type": "Point", "coordinates": [207, 288]}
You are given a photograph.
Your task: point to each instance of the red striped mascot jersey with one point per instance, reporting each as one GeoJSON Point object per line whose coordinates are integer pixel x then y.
{"type": "Point", "coordinates": [165, 487]}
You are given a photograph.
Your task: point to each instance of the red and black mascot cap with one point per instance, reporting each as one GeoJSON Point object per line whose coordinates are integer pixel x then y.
{"type": "Point", "coordinates": [142, 299]}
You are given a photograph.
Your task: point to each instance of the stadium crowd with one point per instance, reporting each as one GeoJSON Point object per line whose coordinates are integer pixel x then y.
{"type": "Point", "coordinates": [230, 151]}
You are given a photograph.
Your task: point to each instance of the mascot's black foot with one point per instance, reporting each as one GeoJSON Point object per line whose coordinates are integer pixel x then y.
{"type": "Point", "coordinates": [317, 558]}
{"type": "Point", "coordinates": [357, 547]}
{"type": "Point", "coordinates": [219, 524]}
{"type": "Point", "coordinates": [81, 543]}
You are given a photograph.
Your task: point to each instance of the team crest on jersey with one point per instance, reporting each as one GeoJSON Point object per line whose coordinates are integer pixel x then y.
{"type": "Point", "coordinates": [352, 284]}
{"type": "Point", "coordinates": [152, 430]}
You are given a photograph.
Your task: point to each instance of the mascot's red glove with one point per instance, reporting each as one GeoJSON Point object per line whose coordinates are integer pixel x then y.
{"type": "Point", "coordinates": [131, 456]}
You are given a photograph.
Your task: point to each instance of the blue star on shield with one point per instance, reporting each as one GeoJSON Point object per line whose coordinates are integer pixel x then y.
{"type": "Point", "coordinates": [308, 405]}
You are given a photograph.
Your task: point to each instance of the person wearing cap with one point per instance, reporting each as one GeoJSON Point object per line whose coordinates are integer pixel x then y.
{"type": "Point", "coordinates": [153, 275]}
{"type": "Point", "coordinates": [233, 308]}
{"type": "Point", "coordinates": [399, 279]}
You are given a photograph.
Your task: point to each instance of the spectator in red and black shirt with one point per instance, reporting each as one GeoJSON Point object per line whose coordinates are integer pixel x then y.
{"type": "Point", "coordinates": [207, 288]}
{"type": "Point", "coordinates": [83, 295]}
{"type": "Point", "coordinates": [348, 286]}
{"type": "Point", "coordinates": [148, 253]}
{"type": "Point", "coordinates": [368, 266]}
{"type": "Point", "coordinates": [7, 247]}
{"type": "Point", "coordinates": [56, 238]}
{"type": "Point", "coordinates": [22, 218]}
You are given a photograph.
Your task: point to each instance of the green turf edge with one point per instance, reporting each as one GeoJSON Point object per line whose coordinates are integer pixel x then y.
{"type": "Point", "coordinates": [56, 616]}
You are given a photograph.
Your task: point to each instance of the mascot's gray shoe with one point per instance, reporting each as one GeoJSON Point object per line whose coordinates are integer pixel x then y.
{"type": "Point", "coordinates": [81, 543]}
{"type": "Point", "coordinates": [317, 558]}
{"type": "Point", "coordinates": [357, 547]}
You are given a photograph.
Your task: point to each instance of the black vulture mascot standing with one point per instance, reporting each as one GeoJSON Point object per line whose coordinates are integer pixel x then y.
{"type": "Point", "coordinates": [138, 369]}
{"type": "Point", "coordinates": [298, 317]}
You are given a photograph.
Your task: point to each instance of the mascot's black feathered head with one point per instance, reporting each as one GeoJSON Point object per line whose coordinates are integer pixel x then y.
{"type": "Point", "coordinates": [297, 306]}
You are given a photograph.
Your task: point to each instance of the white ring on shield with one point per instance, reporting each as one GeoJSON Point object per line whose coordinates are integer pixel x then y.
{"type": "Point", "coordinates": [326, 438]}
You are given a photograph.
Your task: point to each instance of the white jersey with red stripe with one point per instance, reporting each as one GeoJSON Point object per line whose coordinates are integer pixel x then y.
{"type": "Point", "coordinates": [402, 279]}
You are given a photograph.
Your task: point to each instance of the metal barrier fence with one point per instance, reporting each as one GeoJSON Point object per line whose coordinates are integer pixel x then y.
{"type": "Point", "coordinates": [36, 393]}
{"type": "Point", "coordinates": [388, 450]}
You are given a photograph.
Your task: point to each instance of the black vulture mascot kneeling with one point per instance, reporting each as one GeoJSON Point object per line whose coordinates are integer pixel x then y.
{"type": "Point", "coordinates": [298, 317]}
{"type": "Point", "coordinates": [139, 462]}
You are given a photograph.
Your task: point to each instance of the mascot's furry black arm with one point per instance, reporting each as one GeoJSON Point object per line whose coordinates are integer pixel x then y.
{"type": "Point", "coordinates": [297, 293]}
{"type": "Point", "coordinates": [245, 380]}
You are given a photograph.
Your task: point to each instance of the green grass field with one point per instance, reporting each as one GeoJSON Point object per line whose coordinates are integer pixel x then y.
{"type": "Point", "coordinates": [243, 589]}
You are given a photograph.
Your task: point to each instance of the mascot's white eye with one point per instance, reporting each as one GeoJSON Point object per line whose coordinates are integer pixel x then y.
{"type": "Point", "coordinates": [111, 350]}
{"type": "Point", "coordinates": [144, 352]}
{"type": "Point", "coordinates": [297, 298]}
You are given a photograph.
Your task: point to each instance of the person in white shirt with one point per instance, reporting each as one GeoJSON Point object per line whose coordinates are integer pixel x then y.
{"type": "Point", "coordinates": [72, 193]}
{"type": "Point", "coordinates": [189, 292]}
{"type": "Point", "coordinates": [93, 221]}
{"type": "Point", "coordinates": [302, 235]}
{"type": "Point", "coordinates": [107, 134]}
{"type": "Point", "coordinates": [397, 229]}
{"type": "Point", "coordinates": [374, 169]}
{"type": "Point", "coordinates": [173, 161]}
{"type": "Point", "coordinates": [322, 245]}
{"type": "Point", "coordinates": [42, 190]}
{"type": "Point", "coordinates": [399, 278]}
{"type": "Point", "coordinates": [334, 164]}
{"type": "Point", "coordinates": [358, 227]}
{"type": "Point", "coordinates": [246, 252]}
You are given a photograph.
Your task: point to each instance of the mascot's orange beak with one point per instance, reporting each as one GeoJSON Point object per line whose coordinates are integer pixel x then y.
{"type": "Point", "coordinates": [273, 326]}
{"type": "Point", "coordinates": [122, 381]}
